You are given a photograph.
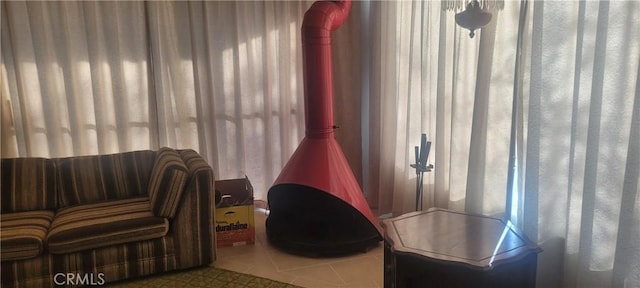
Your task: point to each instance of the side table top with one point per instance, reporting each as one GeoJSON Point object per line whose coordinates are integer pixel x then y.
{"type": "Point", "coordinates": [443, 235]}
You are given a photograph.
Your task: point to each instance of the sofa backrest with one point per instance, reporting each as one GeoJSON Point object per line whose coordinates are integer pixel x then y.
{"type": "Point", "coordinates": [90, 179]}
{"type": "Point", "coordinates": [28, 184]}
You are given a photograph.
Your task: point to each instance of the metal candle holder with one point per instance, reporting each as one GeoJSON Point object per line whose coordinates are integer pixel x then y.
{"type": "Point", "coordinates": [422, 154]}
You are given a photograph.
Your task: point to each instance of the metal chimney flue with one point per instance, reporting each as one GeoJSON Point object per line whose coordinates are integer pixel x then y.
{"type": "Point", "coordinates": [316, 205]}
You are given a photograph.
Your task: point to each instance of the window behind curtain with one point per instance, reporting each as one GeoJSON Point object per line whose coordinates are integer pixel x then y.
{"type": "Point", "coordinates": [223, 78]}
{"type": "Point", "coordinates": [75, 78]}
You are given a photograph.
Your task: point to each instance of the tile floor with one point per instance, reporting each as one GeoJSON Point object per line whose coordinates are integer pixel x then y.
{"type": "Point", "coordinates": [360, 270]}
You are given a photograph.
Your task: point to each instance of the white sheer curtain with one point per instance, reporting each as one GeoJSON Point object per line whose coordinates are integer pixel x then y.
{"type": "Point", "coordinates": [578, 125]}
{"type": "Point", "coordinates": [223, 78]}
{"type": "Point", "coordinates": [582, 141]}
{"type": "Point", "coordinates": [74, 79]}
{"type": "Point", "coordinates": [228, 77]}
{"type": "Point", "coordinates": [429, 77]}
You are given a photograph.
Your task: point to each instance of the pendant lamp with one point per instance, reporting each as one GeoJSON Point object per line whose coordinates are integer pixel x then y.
{"type": "Point", "coordinates": [473, 17]}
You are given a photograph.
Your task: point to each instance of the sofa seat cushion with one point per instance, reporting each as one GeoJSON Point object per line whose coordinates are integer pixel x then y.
{"type": "Point", "coordinates": [23, 234]}
{"type": "Point", "coordinates": [103, 224]}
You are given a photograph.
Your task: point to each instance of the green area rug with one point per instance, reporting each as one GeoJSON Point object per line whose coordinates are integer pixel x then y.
{"type": "Point", "coordinates": [203, 277]}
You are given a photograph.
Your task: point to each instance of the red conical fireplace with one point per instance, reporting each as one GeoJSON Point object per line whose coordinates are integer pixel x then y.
{"type": "Point", "coordinates": [316, 205]}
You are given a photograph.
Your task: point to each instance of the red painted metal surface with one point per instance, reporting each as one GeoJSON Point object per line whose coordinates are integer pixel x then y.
{"type": "Point", "coordinates": [319, 21]}
{"type": "Point", "coordinates": [319, 161]}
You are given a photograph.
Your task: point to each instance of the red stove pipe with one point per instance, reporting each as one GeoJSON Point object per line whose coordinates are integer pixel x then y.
{"type": "Point", "coordinates": [318, 172]}
{"type": "Point", "coordinates": [319, 21]}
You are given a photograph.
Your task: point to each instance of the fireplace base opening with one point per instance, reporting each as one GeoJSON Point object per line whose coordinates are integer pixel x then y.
{"type": "Point", "coordinates": [311, 222]}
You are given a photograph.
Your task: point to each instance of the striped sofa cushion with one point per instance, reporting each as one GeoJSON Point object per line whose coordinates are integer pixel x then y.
{"type": "Point", "coordinates": [105, 223]}
{"type": "Point", "coordinates": [23, 234]}
{"type": "Point", "coordinates": [28, 184]}
{"type": "Point", "coordinates": [90, 179]}
{"type": "Point", "coordinates": [167, 182]}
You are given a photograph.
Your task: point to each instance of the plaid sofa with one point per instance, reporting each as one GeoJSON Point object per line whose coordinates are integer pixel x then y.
{"type": "Point", "coordinates": [98, 219]}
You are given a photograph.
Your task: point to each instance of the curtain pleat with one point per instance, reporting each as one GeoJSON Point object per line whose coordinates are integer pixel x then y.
{"type": "Point", "coordinates": [627, 252]}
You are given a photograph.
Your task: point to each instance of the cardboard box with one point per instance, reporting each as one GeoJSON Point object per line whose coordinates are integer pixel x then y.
{"type": "Point", "coordinates": [235, 222]}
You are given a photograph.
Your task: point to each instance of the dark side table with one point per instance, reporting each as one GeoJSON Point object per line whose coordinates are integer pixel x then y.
{"type": "Point", "coordinates": [442, 248]}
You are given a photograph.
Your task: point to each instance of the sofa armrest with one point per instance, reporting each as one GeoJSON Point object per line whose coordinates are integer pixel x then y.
{"type": "Point", "coordinates": [192, 227]}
